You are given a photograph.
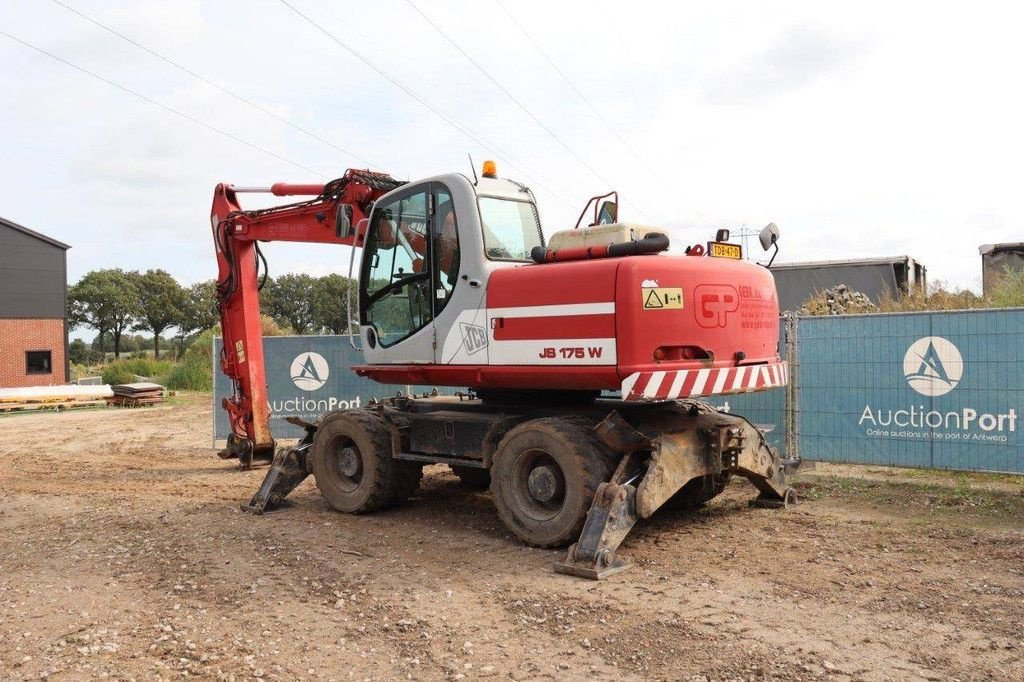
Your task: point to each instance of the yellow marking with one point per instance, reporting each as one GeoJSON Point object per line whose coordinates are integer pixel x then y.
{"type": "Point", "coordinates": [662, 298]}
{"type": "Point", "coordinates": [240, 351]}
{"type": "Point", "coordinates": [722, 250]}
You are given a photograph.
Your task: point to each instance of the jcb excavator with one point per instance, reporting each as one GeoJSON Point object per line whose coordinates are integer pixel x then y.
{"type": "Point", "coordinates": [457, 287]}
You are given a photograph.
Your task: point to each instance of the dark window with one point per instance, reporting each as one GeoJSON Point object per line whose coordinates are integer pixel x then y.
{"type": "Point", "coordinates": [38, 362]}
{"type": "Point", "coordinates": [446, 250]}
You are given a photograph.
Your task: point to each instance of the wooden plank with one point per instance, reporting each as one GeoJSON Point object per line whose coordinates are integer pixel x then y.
{"type": "Point", "coordinates": [71, 404]}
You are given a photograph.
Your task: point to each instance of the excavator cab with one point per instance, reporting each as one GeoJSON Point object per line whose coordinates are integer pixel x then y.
{"type": "Point", "coordinates": [429, 251]}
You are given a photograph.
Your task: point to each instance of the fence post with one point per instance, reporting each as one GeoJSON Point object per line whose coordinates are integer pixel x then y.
{"type": "Point", "coordinates": [791, 402]}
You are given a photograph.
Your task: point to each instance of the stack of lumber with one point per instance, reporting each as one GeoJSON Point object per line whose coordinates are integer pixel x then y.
{"type": "Point", "coordinates": [134, 395]}
{"type": "Point", "coordinates": [52, 397]}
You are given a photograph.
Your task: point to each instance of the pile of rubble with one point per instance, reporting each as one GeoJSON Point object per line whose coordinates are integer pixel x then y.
{"type": "Point", "coordinates": [838, 300]}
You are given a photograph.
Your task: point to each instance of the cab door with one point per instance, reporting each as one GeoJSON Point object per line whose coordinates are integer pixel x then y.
{"type": "Point", "coordinates": [397, 280]}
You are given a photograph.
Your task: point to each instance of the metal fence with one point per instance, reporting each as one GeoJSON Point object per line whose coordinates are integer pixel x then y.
{"type": "Point", "coordinates": [937, 390]}
{"type": "Point", "coordinates": [306, 377]}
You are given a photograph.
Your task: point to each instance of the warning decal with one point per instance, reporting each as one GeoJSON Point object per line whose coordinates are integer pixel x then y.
{"type": "Point", "coordinates": [662, 298]}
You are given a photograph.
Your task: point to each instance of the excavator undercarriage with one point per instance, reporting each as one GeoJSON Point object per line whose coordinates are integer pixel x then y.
{"type": "Point", "coordinates": [587, 472]}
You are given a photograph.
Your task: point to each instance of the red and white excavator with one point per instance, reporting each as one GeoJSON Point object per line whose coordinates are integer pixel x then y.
{"type": "Point", "coordinates": [585, 357]}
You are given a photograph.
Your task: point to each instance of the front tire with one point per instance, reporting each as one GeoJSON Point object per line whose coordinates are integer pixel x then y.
{"type": "Point", "coordinates": [352, 462]}
{"type": "Point", "coordinates": [543, 477]}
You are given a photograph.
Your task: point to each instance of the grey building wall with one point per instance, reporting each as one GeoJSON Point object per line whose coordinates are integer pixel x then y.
{"type": "Point", "coordinates": [997, 259]}
{"type": "Point", "coordinates": [796, 282]}
{"type": "Point", "coordinates": [33, 274]}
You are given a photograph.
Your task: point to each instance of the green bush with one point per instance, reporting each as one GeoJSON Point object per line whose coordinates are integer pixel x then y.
{"type": "Point", "coordinates": [195, 370]}
{"type": "Point", "coordinates": [191, 374]}
{"type": "Point", "coordinates": [1009, 290]}
{"type": "Point", "coordinates": [125, 371]}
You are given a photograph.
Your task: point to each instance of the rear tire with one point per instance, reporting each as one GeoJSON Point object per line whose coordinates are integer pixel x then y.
{"type": "Point", "coordinates": [472, 477]}
{"type": "Point", "coordinates": [352, 462]}
{"type": "Point", "coordinates": [544, 475]}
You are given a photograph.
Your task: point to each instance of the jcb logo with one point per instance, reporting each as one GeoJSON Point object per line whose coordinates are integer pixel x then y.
{"type": "Point", "coordinates": [714, 303]}
{"type": "Point", "coordinates": [474, 337]}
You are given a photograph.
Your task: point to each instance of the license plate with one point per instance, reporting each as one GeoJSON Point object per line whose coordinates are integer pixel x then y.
{"type": "Point", "coordinates": [722, 250]}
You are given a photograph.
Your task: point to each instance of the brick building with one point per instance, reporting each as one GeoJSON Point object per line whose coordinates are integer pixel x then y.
{"type": "Point", "coordinates": [33, 308]}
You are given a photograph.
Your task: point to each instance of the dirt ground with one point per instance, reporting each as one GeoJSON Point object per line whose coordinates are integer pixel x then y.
{"type": "Point", "coordinates": [123, 553]}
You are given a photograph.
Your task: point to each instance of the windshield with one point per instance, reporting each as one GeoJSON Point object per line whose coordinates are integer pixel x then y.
{"type": "Point", "coordinates": [511, 228]}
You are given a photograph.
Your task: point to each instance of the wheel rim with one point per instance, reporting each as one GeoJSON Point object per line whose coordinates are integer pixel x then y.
{"type": "Point", "coordinates": [538, 485]}
{"type": "Point", "coordinates": [347, 464]}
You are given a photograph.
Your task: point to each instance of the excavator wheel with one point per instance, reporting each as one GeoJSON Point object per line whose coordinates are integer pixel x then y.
{"type": "Point", "coordinates": [473, 477]}
{"type": "Point", "coordinates": [352, 463]}
{"type": "Point", "coordinates": [405, 480]}
{"type": "Point", "coordinates": [543, 477]}
{"type": "Point", "coordinates": [697, 492]}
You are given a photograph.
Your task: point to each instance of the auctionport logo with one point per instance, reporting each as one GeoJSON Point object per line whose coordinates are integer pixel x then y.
{"type": "Point", "coordinates": [933, 366]}
{"type": "Point", "coordinates": [309, 371]}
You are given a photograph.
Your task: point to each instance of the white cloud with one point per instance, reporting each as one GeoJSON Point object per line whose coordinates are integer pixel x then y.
{"type": "Point", "coordinates": [798, 57]}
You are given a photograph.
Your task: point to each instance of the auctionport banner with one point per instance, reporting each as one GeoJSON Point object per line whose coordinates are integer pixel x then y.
{"type": "Point", "coordinates": [306, 377]}
{"type": "Point", "coordinates": [938, 390]}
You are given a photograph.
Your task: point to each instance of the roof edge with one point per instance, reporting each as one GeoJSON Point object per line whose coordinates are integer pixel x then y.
{"type": "Point", "coordinates": [32, 233]}
{"type": "Point", "coordinates": [857, 261]}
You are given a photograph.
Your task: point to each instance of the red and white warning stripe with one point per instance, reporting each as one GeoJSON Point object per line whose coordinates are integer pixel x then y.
{"type": "Point", "coordinates": [694, 383]}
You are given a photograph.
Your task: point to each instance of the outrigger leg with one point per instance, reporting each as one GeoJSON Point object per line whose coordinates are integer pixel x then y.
{"type": "Point", "coordinates": [691, 440]}
{"type": "Point", "coordinates": [289, 468]}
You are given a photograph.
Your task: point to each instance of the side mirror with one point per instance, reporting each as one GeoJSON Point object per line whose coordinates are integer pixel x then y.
{"type": "Point", "coordinates": [722, 235]}
{"type": "Point", "coordinates": [769, 235]}
{"type": "Point", "coordinates": [608, 214]}
{"type": "Point", "coordinates": [343, 221]}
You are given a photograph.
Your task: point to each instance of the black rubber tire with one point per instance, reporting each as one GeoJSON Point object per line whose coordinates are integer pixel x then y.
{"type": "Point", "coordinates": [405, 480]}
{"type": "Point", "coordinates": [697, 492]}
{"type": "Point", "coordinates": [584, 463]}
{"type": "Point", "coordinates": [472, 477]}
{"type": "Point", "coordinates": [374, 488]}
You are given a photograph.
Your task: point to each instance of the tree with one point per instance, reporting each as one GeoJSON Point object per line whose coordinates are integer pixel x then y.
{"type": "Point", "coordinates": [289, 300]}
{"type": "Point", "coordinates": [80, 353]}
{"type": "Point", "coordinates": [161, 299]}
{"type": "Point", "coordinates": [106, 300]}
{"type": "Point", "coordinates": [199, 311]}
{"type": "Point", "coordinates": [330, 304]}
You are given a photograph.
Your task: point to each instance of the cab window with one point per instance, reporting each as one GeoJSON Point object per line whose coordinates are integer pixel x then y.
{"type": "Point", "coordinates": [395, 296]}
{"type": "Point", "coordinates": [511, 228]}
{"type": "Point", "coordinates": [447, 257]}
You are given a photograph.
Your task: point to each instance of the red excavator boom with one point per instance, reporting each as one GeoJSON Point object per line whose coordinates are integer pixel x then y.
{"type": "Point", "coordinates": [335, 215]}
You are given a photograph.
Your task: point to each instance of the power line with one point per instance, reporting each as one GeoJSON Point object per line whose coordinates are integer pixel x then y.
{"type": "Point", "coordinates": [595, 110]}
{"type": "Point", "coordinates": [221, 88]}
{"type": "Point", "coordinates": [165, 107]}
{"type": "Point", "coordinates": [513, 98]}
{"type": "Point", "coordinates": [423, 102]}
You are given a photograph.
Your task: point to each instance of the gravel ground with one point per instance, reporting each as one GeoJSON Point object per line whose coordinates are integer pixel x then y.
{"type": "Point", "coordinates": [123, 554]}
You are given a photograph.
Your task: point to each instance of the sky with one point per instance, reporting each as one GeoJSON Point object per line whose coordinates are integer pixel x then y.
{"type": "Point", "coordinates": [862, 129]}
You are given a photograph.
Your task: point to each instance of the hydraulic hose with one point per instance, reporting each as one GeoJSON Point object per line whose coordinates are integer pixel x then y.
{"type": "Point", "coordinates": [653, 242]}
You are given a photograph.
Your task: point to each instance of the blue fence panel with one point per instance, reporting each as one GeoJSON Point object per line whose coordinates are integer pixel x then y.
{"type": "Point", "coordinates": [306, 377]}
{"type": "Point", "coordinates": [937, 390]}
{"type": "Point", "coordinates": [766, 409]}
